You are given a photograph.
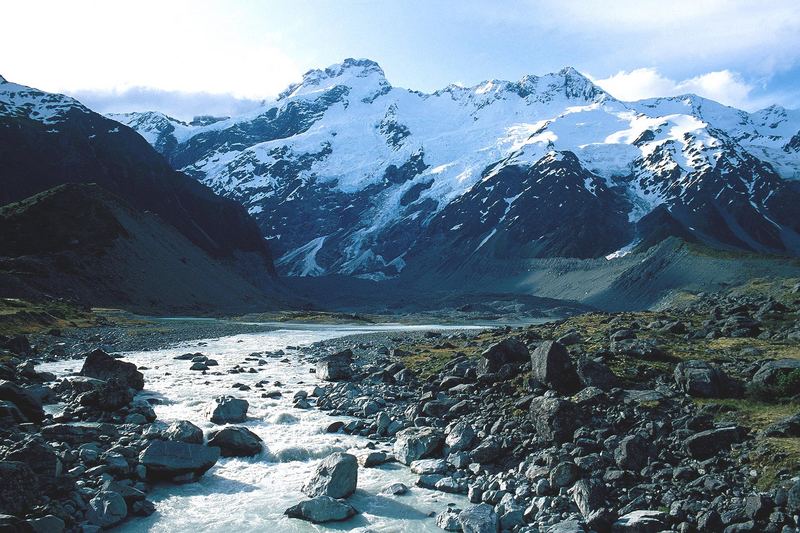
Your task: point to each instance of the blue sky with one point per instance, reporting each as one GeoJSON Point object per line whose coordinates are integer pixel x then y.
{"type": "Point", "coordinates": [219, 57]}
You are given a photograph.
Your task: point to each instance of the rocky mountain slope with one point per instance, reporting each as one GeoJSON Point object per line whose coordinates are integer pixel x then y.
{"type": "Point", "coordinates": [347, 174]}
{"type": "Point", "coordinates": [82, 243]}
{"type": "Point", "coordinates": [48, 140]}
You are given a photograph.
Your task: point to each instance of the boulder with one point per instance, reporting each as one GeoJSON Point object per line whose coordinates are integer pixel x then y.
{"type": "Point", "coordinates": [460, 437]}
{"type": "Point", "coordinates": [10, 414]}
{"type": "Point", "coordinates": [79, 432]}
{"type": "Point", "coordinates": [109, 396]}
{"type": "Point", "coordinates": [184, 431]}
{"type": "Point", "coordinates": [780, 376]}
{"type": "Point", "coordinates": [793, 498]}
{"type": "Point", "coordinates": [321, 509]}
{"type": "Point", "coordinates": [641, 522]}
{"type": "Point", "coordinates": [488, 451]}
{"type": "Point", "coordinates": [479, 518]}
{"type": "Point", "coordinates": [100, 365]}
{"type": "Point", "coordinates": [551, 364]}
{"type": "Point", "coordinates": [38, 455]}
{"type": "Point", "coordinates": [589, 496]}
{"type": "Point", "coordinates": [107, 509]}
{"type": "Point", "coordinates": [417, 443]}
{"type": "Point", "coordinates": [19, 489]}
{"type": "Point", "coordinates": [703, 380]}
{"type": "Point", "coordinates": [177, 461]}
{"type": "Point", "coordinates": [554, 418]}
{"type": "Point", "coordinates": [229, 410]}
{"type": "Point", "coordinates": [706, 444]}
{"type": "Point", "coordinates": [593, 373]}
{"type": "Point", "coordinates": [47, 524]}
{"type": "Point", "coordinates": [336, 367]}
{"type": "Point", "coordinates": [236, 442]}
{"type": "Point", "coordinates": [632, 453]}
{"type": "Point", "coordinates": [508, 351]}
{"type": "Point", "coordinates": [448, 520]}
{"type": "Point", "coordinates": [787, 427]}
{"type": "Point", "coordinates": [372, 459]}
{"type": "Point", "coordinates": [335, 476]}
{"type": "Point", "coordinates": [26, 402]}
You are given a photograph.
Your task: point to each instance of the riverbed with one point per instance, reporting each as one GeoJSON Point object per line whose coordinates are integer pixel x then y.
{"type": "Point", "coordinates": [251, 494]}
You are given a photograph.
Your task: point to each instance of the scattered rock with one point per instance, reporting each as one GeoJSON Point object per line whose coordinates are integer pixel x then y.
{"type": "Point", "coordinates": [100, 365]}
{"type": "Point", "coordinates": [229, 410]}
{"type": "Point", "coordinates": [479, 518]}
{"type": "Point", "coordinates": [416, 443]}
{"type": "Point", "coordinates": [321, 509]}
{"type": "Point", "coordinates": [177, 461]}
{"type": "Point", "coordinates": [335, 476]}
{"type": "Point", "coordinates": [236, 442]}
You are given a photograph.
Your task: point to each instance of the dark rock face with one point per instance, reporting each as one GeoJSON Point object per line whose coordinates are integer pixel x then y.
{"type": "Point", "coordinates": [551, 364]}
{"type": "Point", "coordinates": [177, 461]}
{"type": "Point", "coordinates": [18, 491]}
{"type": "Point", "coordinates": [184, 431]}
{"type": "Point", "coordinates": [100, 365]}
{"type": "Point", "coordinates": [321, 509]}
{"type": "Point", "coordinates": [508, 351]}
{"type": "Point", "coordinates": [24, 400]}
{"type": "Point", "coordinates": [336, 476]}
{"type": "Point", "coordinates": [236, 442]}
{"type": "Point", "coordinates": [554, 418]}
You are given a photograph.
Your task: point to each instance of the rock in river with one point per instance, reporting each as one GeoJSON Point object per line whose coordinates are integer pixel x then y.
{"type": "Point", "coordinates": [177, 461]}
{"type": "Point", "coordinates": [321, 509]}
{"type": "Point", "coordinates": [335, 367]}
{"type": "Point", "coordinates": [229, 410]}
{"type": "Point", "coordinates": [107, 509]}
{"type": "Point", "coordinates": [336, 476]}
{"type": "Point", "coordinates": [236, 442]}
{"type": "Point", "coordinates": [100, 365]}
{"type": "Point", "coordinates": [184, 431]}
{"type": "Point", "coordinates": [479, 518]}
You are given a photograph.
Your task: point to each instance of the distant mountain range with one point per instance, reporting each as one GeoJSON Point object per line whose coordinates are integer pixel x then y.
{"type": "Point", "coordinates": [347, 174]}
{"type": "Point", "coordinates": [95, 213]}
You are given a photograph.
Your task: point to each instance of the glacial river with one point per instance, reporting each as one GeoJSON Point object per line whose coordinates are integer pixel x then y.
{"type": "Point", "coordinates": [251, 494]}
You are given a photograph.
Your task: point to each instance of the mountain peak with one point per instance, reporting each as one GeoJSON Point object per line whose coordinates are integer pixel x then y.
{"type": "Point", "coordinates": [350, 72]}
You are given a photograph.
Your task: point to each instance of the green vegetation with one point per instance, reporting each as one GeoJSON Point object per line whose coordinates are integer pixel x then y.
{"type": "Point", "coordinates": [20, 316]}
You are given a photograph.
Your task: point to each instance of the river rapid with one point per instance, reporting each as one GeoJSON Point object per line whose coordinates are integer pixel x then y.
{"type": "Point", "coordinates": [251, 494]}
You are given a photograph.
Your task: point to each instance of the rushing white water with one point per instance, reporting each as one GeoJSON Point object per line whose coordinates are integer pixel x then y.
{"type": "Point", "coordinates": [251, 494]}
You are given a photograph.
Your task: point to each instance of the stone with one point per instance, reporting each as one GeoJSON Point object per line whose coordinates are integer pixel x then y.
{"type": "Point", "coordinates": [79, 432]}
{"type": "Point", "coordinates": [336, 367]}
{"type": "Point", "coordinates": [429, 466]}
{"type": "Point", "coordinates": [109, 396]}
{"type": "Point", "coordinates": [488, 451]}
{"type": "Point", "coordinates": [563, 474]}
{"type": "Point", "coordinates": [19, 489]}
{"type": "Point", "coordinates": [98, 364]}
{"type": "Point", "coordinates": [184, 431]}
{"type": "Point", "coordinates": [372, 459]}
{"type": "Point", "coordinates": [236, 442]}
{"type": "Point", "coordinates": [460, 437]}
{"type": "Point", "coordinates": [632, 453]}
{"type": "Point", "coordinates": [705, 444]}
{"type": "Point", "coordinates": [567, 526]}
{"type": "Point", "coordinates": [229, 410]}
{"type": "Point", "coordinates": [592, 373]}
{"type": "Point", "coordinates": [589, 496]}
{"type": "Point", "coordinates": [773, 373]}
{"type": "Point", "coordinates": [26, 402]}
{"type": "Point", "coordinates": [10, 414]}
{"type": "Point", "coordinates": [787, 427]}
{"type": "Point", "coordinates": [107, 509]}
{"type": "Point", "coordinates": [793, 498]}
{"type": "Point", "coordinates": [702, 380]}
{"type": "Point", "coordinates": [335, 476]}
{"type": "Point", "coordinates": [417, 443]}
{"type": "Point", "coordinates": [643, 521]}
{"type": "Point", "coordinates": [177, 461]}
{"type": "Point", "coordinates": [551, 364]}
{"type": "Point", "coordinates": [396, 489]}
{"type": "Point", "coordinates": [553, 418]}
{"type": "Point", "coordinates": [508, 351]}
{"type": "Point", "coordinates": [38, 455]}
{"type": "Point", "coordinates": [47, 524]}
{"type": "Point", "coordinates": [479, 518]}
{"type": "Point", "coordinates": [321, 509]}
{"type": "Point", "coordinates": [448, 520]}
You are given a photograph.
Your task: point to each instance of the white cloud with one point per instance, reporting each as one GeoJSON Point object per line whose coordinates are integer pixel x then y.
{"type": "Point", "coordinates": [722, 86]}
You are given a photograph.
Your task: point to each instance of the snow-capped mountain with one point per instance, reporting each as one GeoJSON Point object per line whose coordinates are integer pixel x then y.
{"type": "Point", "coordinates": [347, 174]}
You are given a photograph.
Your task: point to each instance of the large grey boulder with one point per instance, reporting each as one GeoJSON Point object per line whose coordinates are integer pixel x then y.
{"type": "Point", "coordinates": [786, 427]}
{"type": "Point", "coordinates": [417, 443]}
{"type": "Point", "coordinates": [593, 373]}
{"type": "Point", "coordinates": [778, 375]}
{"type": "Point", "coordinates": [229, 410]}
{"type": "Point", "coordinates": [551, 364]}
{"type": "Point", "coordinates": [479, 518]}
{"type": "Point", "coordinates": [706, 444]}
{"type": "Point", "coordinates": [460, 437]}
{"type": "Point", "coordinates": [107, 509]}
{"type": "Point", "coordinates": [184, 431]}
{"type": "Point", "coordinates": [110, 396]}
{"type": "Point", "coordinates": [177, 461]}
{"type": "Point", "coordinates": [321, 509]}
{"type": "Point", "coordinates": [26, 402]}
{"type": "Point", "coordinates": [336, 367]}
{"type": "Point", "coordinates": [236, 442]}
{"type": "Point", "coordinates": [554, 418]}
{"type": "Point", "coordinates": [508, 351]}
{"type": "Point", "coordinates": [100, 365]}
{"type": "Point", "coordinates": [632, 453]}
{"type": "Point", "coordinates": [335, 476]}
{"type": "Point", "coordinates": [703, 380]}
